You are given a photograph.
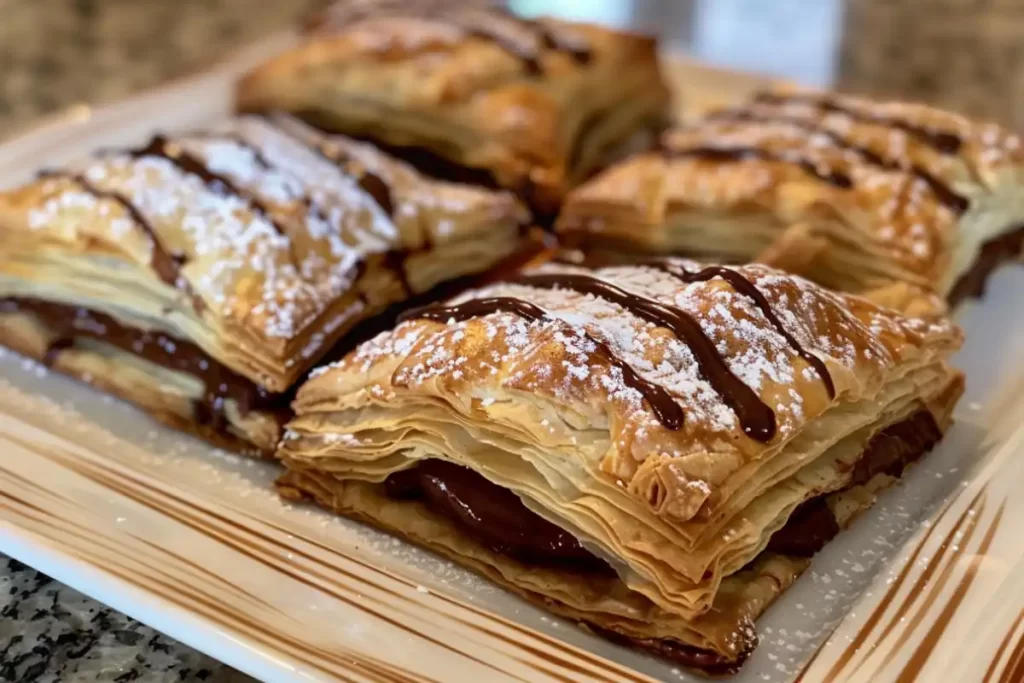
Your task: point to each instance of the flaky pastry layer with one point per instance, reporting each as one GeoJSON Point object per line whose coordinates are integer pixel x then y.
{"type": "Point", "coordinates": [852, 193]}
{"type": "Point", "coordinates": [560, 387]}
{"type": "Point", "coordinates": [530, 105]}
{"type": "Point", "coordinates": [261, 243]}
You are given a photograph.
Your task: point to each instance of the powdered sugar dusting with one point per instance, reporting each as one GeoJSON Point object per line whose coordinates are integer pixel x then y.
{"type": "Point", "coordinates": [887, 203]}
{"type": "Point", "coordinates": [855, 339]}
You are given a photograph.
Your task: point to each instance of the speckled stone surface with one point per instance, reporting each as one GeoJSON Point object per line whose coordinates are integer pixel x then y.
{"type": "Point", "coordinates": [50, 633]}
{"type": "Point", "coordinates": [56, 53]}
{"type": "Point", "coordinates": [967, 55]}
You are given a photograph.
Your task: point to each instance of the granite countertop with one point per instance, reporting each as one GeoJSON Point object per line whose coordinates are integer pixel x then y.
{"type": "Point", "coordinates": [56, 53]}
{"type": "Point", "coordinates": [50, 633]}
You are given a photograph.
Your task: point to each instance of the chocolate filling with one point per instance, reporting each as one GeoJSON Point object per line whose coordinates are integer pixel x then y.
{"type": "Point", "coordinates": [492, 515]}
{"type": "Point", "coordinates": [69, 322]}
{"type": "Point", "coordinates": [72, 322]}
{"type": "Point", "coordinates": [995, 252]}
{"type": "Point", "coordinates": [497, 519]}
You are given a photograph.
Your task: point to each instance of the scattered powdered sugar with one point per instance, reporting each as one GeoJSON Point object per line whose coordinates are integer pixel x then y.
{"type": "Point", "coordinates": [752, 347]}
{"type": "Point", "coordinates": [899, 202]}
{"type": "Point", "coordinates": [63, 204]}
{"type": "Point", "coordinates": [245, 252]}
{"type": "Point", "coordinates": [341, 438]}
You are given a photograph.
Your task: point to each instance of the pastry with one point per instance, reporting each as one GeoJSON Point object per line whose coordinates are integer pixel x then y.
{"type": "Point", "coordinates": [200, 276]}
{"type": "Point", "coordinates": [852, 193]}
{"type": "Point", "coordinates": [469, 91]}
{"type": "Point", "coordinates": [652, 450]}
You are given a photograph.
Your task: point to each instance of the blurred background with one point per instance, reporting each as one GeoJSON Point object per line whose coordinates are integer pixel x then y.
{"type": "Point", "coordinates": [965, 54]}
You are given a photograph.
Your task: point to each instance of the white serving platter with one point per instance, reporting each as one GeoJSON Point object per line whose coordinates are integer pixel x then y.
{"type": "Point", "coordinates": [929, 585]}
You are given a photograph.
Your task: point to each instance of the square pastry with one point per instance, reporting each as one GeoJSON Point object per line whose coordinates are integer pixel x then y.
{"type": "Point", "coordinates": [200, 276]}
{"type": "Point", "coordinates": [654, 451]}
{"type": "Point", "coordinates": [851, 193]}
{"type": "Point", "coordinates": [469, 91]}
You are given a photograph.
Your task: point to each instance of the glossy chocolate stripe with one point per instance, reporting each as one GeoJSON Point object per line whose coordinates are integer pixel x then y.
{"type": "Point", "coordinates": [879, 612]}
{"type": "Point", "coordinates": [526, 52]}
{"type": "Point", "coordinates": [372, 184]}
{"type": "Point", "coordinates": [747, 288]}
{"type": "Point", "coordinates": [163, 148]}
{"type": "Point", "coordinates": [942, 141]}
{"type": "Point", "coordinates": [964, 523]}
{"type": "Point", "coordinates": [242, 142]}
{"type": "Point", "coordinates": [945, 194]}
{"type": "Point", "coordinates": [912, 669]}
{"type": "Point", "coordinates": [756, 417]}
{"type": "Point", "coordinates": [550, 36]}
{"type": "Point", "coordinates": [264, 163]}
{"type": "Point", "coordinates": [166, 265]}
{"type": "Point", "coordinates": [220, 382]}
{"type": "Point", "coordinates": [661, 402]}
{"type": "Point", "coordinates": [727, 153]}
{"type": "Point", "coordinates": [1018, 651]}
{"type": "Point", "coordinates": [182, 511]}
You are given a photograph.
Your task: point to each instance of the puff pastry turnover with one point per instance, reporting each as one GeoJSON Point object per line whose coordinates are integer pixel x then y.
{"type": "Point", "coordinates": [469, 91]}
{"type": "Point", "coordinates": [852, 193]}
{"type": "Point", "coordinates": [201, 275]}
{"type": "Point", "coordinates": [653, 450]}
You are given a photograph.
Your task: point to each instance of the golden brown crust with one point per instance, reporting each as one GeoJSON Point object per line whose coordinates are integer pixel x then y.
{"type": "Point", "coordinates": [555, 396]}
{"type": "Point", "coordinates": [261, 247]}
{"type": "Point", "coordinates": [532, 103]}
{"type": "Point", "coordinates": [852, 193]}
{"type": "Point", "coordinates": [548, 386]}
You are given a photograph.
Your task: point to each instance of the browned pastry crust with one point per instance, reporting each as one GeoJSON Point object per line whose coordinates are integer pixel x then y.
{"type": "Point", "coordinates": [469, 89]}
{"type": "Point", "coordinates": [201, 276]}
{"type": "Point", "coordinates": [665, 419]}
{"type": "Point", "coordinates": [852, 193]}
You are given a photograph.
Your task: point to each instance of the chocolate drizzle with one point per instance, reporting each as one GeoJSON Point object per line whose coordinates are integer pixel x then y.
{"type": "Point", "coordinates": [756, 417]}
{"type": "Point", "coordinates": [942, 141]}
{"type": "Point", "coordinates": [738, 153]}
{"type": "Point", "coordinates": [394, 260]}
{"type": "Point", "coordinates": [370, 183]}
{"type": "Point", "coordinates": [374, 186]}
{"type": "Point", "coordinates": [662, 403]}
{"type": "Point", "coordinates": [748, 289]}
{"type": "Point", "coordinates": [166, 265]}
{"type": "Point", "coordinates": [943, 192]}
{"type": "Point", "coordinates": [476, 19]}
{"type": "Point", "coordinates": [160, 146]}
